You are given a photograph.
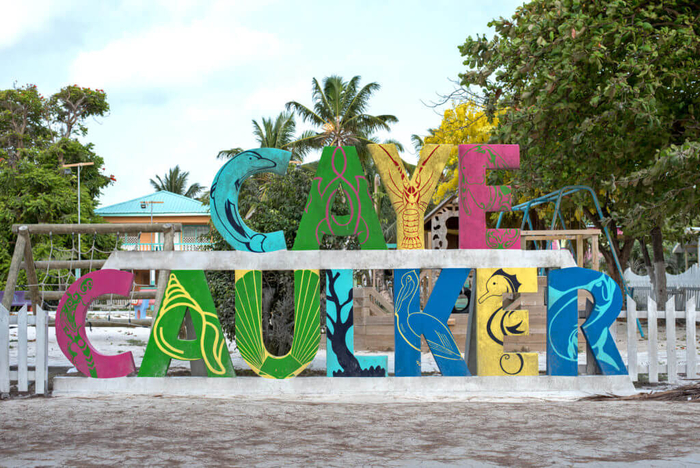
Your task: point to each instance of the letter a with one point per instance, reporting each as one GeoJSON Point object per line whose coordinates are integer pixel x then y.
{"type": "Point", "coordinates": [187, 291]}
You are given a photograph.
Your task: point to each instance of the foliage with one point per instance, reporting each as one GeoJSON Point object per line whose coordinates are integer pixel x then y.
{"type": "Point", "coordinates": [339, 110]}
{"type": "Point", "coordinates": [464, 123]}
{"type": "Point", "coordinates": [175, 181]}
{"type": "Point", "coordinates": [37, 137]}
{"type": "Point", "coordinates": [675, 178]}
{"type": "Point", "coordinates": [591, 91]}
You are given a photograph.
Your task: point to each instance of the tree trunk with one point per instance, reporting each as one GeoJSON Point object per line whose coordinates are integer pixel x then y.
{"type": "Point", "coordinates": [657, 246]}
{"type": "Point", "coordinates": [623, 250]}
{"type": "Point", "coordinates": [647, 262]}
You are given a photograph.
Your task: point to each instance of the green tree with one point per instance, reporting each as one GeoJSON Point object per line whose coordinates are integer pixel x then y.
{"type": "Point", "coordinates": [339, 113]}
{"type": "Point", "coordinates": [38, 136]}
{"type": "Point", "coordinates": [591, 92]}
{"type": "Point", "coordinates": [175, 181]}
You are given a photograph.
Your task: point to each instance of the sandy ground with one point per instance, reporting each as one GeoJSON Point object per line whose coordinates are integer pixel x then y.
{"type": "Point", "coordinates": [244, 432]}
{"type": "Point", "coordinates": [133, 431]}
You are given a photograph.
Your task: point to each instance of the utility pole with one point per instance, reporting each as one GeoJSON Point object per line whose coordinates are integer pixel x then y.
{"type": "Point", "coordinates": [153, 245]}
{"type": "Point", "coordinates": [67, 167]}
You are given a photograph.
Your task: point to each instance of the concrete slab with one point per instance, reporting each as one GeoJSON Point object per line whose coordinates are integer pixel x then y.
{"type": "Point", "coordinates": [341, 388]}
{"type": "Point", "coordinates": [339, 259]}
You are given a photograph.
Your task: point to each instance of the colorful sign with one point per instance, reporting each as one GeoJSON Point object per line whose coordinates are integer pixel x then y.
{"type": "Point", "coordinates": [340, 172]}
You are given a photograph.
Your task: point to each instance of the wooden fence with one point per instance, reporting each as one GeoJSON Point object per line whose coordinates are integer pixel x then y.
{"type": "Point", "coordinates": [671, 316]}
{"type": "Point", "coordinates": [23, 375]}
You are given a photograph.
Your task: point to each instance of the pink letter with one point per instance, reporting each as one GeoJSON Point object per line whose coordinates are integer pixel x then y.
{"type": "Point", "coordinates": [70, 324]}
{"type": "Point", "coordinates": [476, 198]}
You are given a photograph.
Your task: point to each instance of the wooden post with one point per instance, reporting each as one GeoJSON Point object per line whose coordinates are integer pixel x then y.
{"type": "Point", "coordinates": [22, 371]}
{"type": "Point", "coordinates": [14, 271]}
{"type": "Point", "coordinates": [691, 353]}
{"type": "Point", "coordinates": [671, 362]}
{"type": "Point", "coordinates": [163, 275]}
{"type": "Point", "coordinates": [197, 367]}
{"type": "Point", "coordinates": [470, 349]}
{"type": "Point", "coordinates": [30, 269]}
{"type": "Point", "coordinates": [591, 366]}
{"type": "Point", "coordinates": [653, 342]}
{"type": "Point", "coordinates": [594, 253]}
{"type": "Point", "coordinates": [579, 250]}
{"type": "Point", "coordinates": [125, 228]}
{"type": "Point", "coordinates": [4, 351]}
{"type": "Point", "coordinates": [632, 338]}
{"type": "Point", "coordinates": [41, 367]}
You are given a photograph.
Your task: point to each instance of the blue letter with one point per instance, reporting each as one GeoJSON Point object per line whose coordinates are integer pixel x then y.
{"type": "Point", "coordinates": [224, 199]}
{"type": "Point", "coordinates": [562, 319]}
{"type": "Point", "coordinates": [410, 323]}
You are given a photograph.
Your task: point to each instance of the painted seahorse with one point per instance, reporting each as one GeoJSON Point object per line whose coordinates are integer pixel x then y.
{"type": "Point", "coordinates": [501, 322]}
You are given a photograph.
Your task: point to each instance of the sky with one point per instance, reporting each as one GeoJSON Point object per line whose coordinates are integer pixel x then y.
{"type": "Point", "coordinates": [184, 79]}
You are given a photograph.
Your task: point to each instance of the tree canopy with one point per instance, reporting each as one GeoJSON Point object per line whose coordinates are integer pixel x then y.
{"type": "Point", "coordinates": [593, 92]}
{"type": "Point", "coordinates": [38, 135]}
{"type": "Point", "coordinates": [463, 123]}
{"type": "Point", "coordinates": [339, 111]}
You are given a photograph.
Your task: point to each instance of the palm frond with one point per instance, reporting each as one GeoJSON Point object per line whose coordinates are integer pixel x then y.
{"type": "Point", "coordinates": [228, 154]}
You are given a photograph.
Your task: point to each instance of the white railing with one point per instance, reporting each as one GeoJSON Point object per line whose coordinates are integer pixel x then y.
{"type": "Point", "coordinates": [158, 246]}
{"type": "Point", "coordinates": [655, 364]}
{"type": "Point", "coordinates": [40, 374]}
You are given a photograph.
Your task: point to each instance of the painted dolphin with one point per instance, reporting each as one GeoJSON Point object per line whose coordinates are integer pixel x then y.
{"type": "Point", "coordinates": [224, 199]}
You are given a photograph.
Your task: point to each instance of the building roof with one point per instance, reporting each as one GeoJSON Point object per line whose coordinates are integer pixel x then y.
{"type": "Point", "coordinates": [173, 204]}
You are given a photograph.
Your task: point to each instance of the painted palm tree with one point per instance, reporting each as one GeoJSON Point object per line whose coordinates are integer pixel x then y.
{"type": "Point", "coordinates": [274, 134]}
{"type": "Point", "coordinates": [339, 113]}
{"type": "Point", "coordinates": [175, 181]}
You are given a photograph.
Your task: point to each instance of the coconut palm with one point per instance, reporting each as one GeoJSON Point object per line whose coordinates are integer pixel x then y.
{"type": "Point", "coordinates": [274, 134]}
{"type": "Point", "coordinates": [175, 181]}
{"type": "Point", "coordinates": [339, 113]}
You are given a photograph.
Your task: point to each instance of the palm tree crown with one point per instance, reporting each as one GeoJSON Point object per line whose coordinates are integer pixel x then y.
{"type": "Point", "coordinates": [175, 181]}
{"type": "Point", "coordinates": [339, 111]}
{"type": "Point", "coordinates": [273, 134]}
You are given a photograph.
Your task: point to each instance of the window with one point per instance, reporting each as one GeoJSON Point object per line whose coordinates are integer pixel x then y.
{"type": "Point", "coordinates": [194, 234]}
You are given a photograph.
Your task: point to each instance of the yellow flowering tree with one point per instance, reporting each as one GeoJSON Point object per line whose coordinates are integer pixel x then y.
{"type": "Point", "coordinates": [464, 123]}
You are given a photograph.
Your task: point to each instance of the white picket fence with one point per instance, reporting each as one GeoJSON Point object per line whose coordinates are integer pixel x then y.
{"type": "Point", "coordinates": [40, 374]}
{"type": "Point", "coordinates": [654, 367]}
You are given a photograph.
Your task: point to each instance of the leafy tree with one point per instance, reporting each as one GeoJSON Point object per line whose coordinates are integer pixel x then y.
{"type": "Point", "coordinates": [591, 91]}
{"type": "Point", "coordinates": [175, 181]}
{"type": "Point", "coordinates": [38, 136]}
{"type": "Point", "coordinates": [339, 112]}
{"type": "Point", "coordinates": [462, 124]}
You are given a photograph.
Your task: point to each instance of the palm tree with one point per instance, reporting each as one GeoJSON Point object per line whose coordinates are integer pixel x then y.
{"type": "Point", "coordinates": [339, 113]}
{"type": "Point", "coordinates": [273, 134]}
{"type": "Point", "coordinates": [175, 181]}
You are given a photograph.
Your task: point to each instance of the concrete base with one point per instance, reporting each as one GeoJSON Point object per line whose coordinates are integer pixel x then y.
{"type": "Point", "coordinates": [365, 387]}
